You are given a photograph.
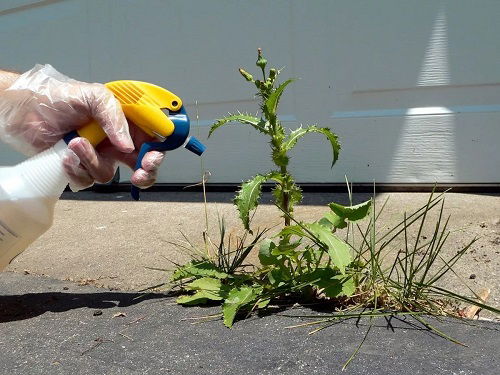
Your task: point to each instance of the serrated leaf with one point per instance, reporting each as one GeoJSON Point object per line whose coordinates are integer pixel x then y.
{"type": "Point", "coordinates": [312, 254]}
{"type": "Point", "coordinates": [332, 284]}
{"type": "Point", "coordinates": [279, 276]}
{"type": "Point", "coordinates": [236, 299]}
{"type": "Point", "coordinates": [198, 268]}
{"type": "Point", "coordinates": [259, 124]}
{"type": "Point", "coordinates": [205, 283]}
{"type": "Point", "coordinates": [341, 213]}
{"type": "Point", "coordinates": [292, 230]}
{"type": "Point", "coordinates": [272, 101]}
{"type": "Point", "coordinates": [248, 198]}
{"type": "Point", "coordinates": [286, 248]}
{"type": "Point", "coordinates": [200, 297]}
{"type": "Point", "coordinates": [295, 135]}
{"type": "Point", "coordinates": [323, 278]}
{"type": "Point", "coordinates": [294, 196]}
{"type": "Point", "coordinates": [332, 220]}
{"type": "Point", "coordinates": [337, 249]}
{"type": "Point", "coordinates": [293, 138]}
{"type": "Point", "coordinates": [275, 176]}
{"type": "Point", "coordinates": [206, 288]}
{"type": "Point", "coordinates": [280, 158]}
{"type": "Point", "coordinates": [265, 256]}
{"type": "Point", "coordinates": [348, 286]}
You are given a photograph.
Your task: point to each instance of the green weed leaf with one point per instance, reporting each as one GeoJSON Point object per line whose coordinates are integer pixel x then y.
{"type": "Point", "coordinates": [280, 158]}
{"type": "Point", "coordinates": [199, 298]}
{"type": "Point", "coordinates": [312, 255]}
{"type": "Point", "coordinates": [332, 220]}
{"type": "Point", "coordinates": [248, 198]}
{"type": "Point", "coordinates": [294, 192]}
{"type": "Point", "coordinates": [286, 248]}
{"type": "Point", "coordinates": [348, 286]}
{"type": "Point", "coordinates": [260, 124]}
{"type": "Point", "coordinates": [205, 283]}
{"type": "Point", "coordinates": [338, 250]}
{"type": "Point", "coordinates": [330, 282]}
{"type": "Point", "coordinates": [265, 256]}
{"type": "Point", "coordinates": [279, 277]}
{"type": "Point", "coordinates": [206, 288]}
{"type": "Point", "coordinates": [275, 176]}
{"type": "Point", "coordinates": [198, 268]}
{"type": "Point", "coordinates": [337, 286]}
{"type": "Point", "coordinates": [292, 230]}
{"type": "Point", "coordinates": [294, 196]}
{"type": "Point", "coordinates": [341, 213]}
{"type": "Point", "coordinates": [295, 135]}
{"type": "Point", "coordinates": [236, 299]}
{"type": "Point", "coordinates": [263, 303]}
{"type": "Point", "coordinates": [271, 103]}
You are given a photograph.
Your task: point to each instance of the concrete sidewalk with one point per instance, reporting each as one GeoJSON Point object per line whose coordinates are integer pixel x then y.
{"type": "Point", "coordinates": [108, 240]}
{"type": "Point", "coordinates": [57, 327]}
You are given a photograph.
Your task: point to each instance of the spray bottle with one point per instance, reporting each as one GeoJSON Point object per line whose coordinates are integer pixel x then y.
{"type": "Point", "coordinates": [30, 190]}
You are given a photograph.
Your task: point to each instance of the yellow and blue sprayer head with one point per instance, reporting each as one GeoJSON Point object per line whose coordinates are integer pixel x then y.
{"type": "Point", "coordinates": [145, 104]}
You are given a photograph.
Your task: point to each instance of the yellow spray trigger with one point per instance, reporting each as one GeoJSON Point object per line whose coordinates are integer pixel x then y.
{"type": "Point", "coordinates": [142, 103]}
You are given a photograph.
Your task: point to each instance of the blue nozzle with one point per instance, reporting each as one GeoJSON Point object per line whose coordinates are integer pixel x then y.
{"type": "Point", "coordinates": [175, 140]}
{"type": "Point", "coordinates": [195, 146]}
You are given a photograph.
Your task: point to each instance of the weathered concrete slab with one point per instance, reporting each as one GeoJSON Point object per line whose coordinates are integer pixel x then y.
{"type": "Point", "coordinates": [108, 240]}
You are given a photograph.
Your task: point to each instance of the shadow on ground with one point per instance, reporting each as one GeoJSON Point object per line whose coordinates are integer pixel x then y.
{"type": "Point", "coordinates": [314, 199]}
{"type": "Point", "coordinates": [30, 305]}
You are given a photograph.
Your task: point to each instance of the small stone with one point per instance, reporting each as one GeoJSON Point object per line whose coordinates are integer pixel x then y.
{"type": "Point", "coordinates": [97, 313]}
{"type": "Point", "coordinates": [482, 225]}
{"type": "Point", "coordinates": [472, 276]}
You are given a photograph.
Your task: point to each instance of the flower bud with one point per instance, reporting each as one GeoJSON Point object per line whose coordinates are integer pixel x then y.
{"type": "Point", "coordinates": [272, 73]}
{"type": "Point", "coordinates": [246, 75]}
{"type": "Point", "coordinates": [261, 61]}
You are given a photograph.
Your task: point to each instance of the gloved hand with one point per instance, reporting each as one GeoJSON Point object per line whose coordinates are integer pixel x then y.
{"type": "Point", "coordinates": [42, 105]}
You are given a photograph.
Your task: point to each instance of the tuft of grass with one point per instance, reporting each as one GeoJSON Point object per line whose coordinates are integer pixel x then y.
{"type": "Point", "coordinates": [408, 284]}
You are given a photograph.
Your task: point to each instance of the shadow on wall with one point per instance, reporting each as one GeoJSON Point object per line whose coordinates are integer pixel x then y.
{"type": "Point", "coordinates": [440, 127]}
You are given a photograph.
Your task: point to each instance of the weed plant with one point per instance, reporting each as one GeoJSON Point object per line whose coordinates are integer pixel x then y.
{"type": "Point", "coordinates": [342, 259]}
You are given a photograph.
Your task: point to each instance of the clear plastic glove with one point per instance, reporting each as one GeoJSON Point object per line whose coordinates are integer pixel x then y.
{"type": "Point", "coordinates": [42, 105]}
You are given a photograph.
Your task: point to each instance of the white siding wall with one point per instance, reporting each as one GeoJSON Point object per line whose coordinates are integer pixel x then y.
{"type": "Point", "coordinates": [411, 87]}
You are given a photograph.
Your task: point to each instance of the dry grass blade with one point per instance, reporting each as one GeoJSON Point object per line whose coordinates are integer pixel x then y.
{"type": "Point", "coordinates": [471, 311]}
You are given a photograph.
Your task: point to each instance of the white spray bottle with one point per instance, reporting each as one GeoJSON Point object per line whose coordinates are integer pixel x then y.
{"type": "Point", "coordinates": [28, 194]}
{"type": "Point", "coordinates": [30, 190]}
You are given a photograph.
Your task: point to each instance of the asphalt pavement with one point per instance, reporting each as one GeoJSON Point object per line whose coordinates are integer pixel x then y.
{"type": "Point", "coordinates": [50, 326]}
